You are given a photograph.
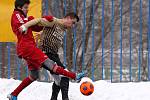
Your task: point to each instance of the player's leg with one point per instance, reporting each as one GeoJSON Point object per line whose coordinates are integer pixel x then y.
{"type": "Point", "coordinates": [55, 91]}
{"type": "Point", "coordinates": [38, 58]}
{"type": "Point", "coordinates": [27, 81]}
{"type": "Point", "coordinates": [64, 85]}
{"type": "Point", "coordinates": [58, 70]}
{"type": "Point", "coordinates": [56, 84]}
{"type": "Point", "coordinates": [55, 87]}
{"type": "Point", "coordinates": [33, 75]}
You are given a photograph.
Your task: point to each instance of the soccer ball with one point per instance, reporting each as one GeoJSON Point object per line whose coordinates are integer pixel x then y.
{"type": "Point", "coordinates": [86, 88]}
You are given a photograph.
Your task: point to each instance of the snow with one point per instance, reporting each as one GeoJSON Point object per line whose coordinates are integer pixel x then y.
{"type": "Point", "coordinates": [104, 90]}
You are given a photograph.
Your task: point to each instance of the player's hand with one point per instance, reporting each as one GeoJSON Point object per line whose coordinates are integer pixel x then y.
{"type": "Point", "coordinates": [23, 29]}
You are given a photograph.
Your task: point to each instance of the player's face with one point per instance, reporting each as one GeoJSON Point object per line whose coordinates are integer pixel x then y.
{"type": "Point", "coordinates": [70, 21]}
{"type": "Point", "coordinates": [25, 8]}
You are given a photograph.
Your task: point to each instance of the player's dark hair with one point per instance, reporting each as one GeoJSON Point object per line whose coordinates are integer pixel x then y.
{"type": "Point", "coordinates": [20, 3]}
{"type": "Point", "coordinates": [72, 15]}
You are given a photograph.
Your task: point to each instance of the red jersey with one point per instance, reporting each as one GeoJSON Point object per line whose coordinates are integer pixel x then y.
{"type": "Point", "coordinates": [25, 42]}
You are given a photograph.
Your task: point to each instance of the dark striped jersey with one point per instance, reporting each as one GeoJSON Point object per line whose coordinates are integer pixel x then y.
{"type": "Point", "coordinates": [52, 38]}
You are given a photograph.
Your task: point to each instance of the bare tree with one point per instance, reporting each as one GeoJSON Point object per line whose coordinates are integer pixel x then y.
{"type": "Point", "coordinates": [57, 8]}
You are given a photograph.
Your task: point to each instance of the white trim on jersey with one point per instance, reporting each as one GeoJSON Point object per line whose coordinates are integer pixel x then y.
{"type": "Point", "coordinates": [20, 19]}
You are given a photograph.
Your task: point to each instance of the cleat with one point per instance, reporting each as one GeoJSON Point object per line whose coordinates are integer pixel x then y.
{"type": "Point", "coordinates": [79, 76]}
{"type": "Point", "coordinates": [11, 97]}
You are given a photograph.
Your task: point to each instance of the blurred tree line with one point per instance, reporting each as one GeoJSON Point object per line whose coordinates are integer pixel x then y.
{"type": "Point", "coordinates": [139, 24]}
{"type": "Point", "coordinates": [89, 10]}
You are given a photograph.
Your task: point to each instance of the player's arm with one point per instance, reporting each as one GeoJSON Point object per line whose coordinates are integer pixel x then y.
{"type": "Point", "coordinates": [46, 21]}
{"type": "Point", "coordinates": [35, 28]}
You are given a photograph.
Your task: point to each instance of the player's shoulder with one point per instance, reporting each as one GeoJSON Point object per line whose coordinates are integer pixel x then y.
{"type": "Point", "coordinates": [17, 14]}
{"type": "Point", "coordinates": [48, 18]}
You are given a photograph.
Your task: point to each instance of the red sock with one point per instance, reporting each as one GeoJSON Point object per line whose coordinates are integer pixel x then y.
{"type": "Point", "coordinates": [61, 71]}
{"type": "Point", "coordinates": [27, 81]}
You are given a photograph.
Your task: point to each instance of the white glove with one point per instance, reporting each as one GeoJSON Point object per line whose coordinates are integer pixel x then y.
{"type": "Point", "coordinates": [23, 29]}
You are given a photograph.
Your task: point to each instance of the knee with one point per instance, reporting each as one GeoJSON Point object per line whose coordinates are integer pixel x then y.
{"type": "Point", "coordinates": [32, 78]}
{"type": "Point", "coordinates": [57, 79]}
{"type": "Point", "coordinates": [49, 64]}
{"type": "Point", "coordinates": [64, 81]}
{"type": "Point", "coordinates": [34, 75]}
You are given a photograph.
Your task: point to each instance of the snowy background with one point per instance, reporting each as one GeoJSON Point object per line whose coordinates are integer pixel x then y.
{"type": "Point", "coordinates": [104, 90]}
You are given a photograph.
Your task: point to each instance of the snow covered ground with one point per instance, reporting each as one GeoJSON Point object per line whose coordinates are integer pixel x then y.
{"type": "Point", "coordinates": [104, 90]}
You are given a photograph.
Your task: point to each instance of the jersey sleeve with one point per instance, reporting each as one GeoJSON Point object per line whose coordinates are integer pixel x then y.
{"type": "Point", "coordinates": [35, 28]}
{"type": "Point", "coordinates": [46, 21]}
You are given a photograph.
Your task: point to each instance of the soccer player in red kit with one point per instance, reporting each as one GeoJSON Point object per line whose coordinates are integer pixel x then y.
{"type": "Point", "coordinates": [26, 48]}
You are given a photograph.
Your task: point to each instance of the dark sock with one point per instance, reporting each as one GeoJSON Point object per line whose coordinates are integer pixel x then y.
{"type": "Point", "coordinates": [64, 85]}
{"type": "Point", "coordinates": [55, 91]}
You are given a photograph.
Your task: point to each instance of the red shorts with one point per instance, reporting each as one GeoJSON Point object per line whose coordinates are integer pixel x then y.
{"type": "Point", "coordinates": [35, 58]}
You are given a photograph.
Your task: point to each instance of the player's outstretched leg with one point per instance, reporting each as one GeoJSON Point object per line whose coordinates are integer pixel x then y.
{"type": "Point", "coordinates": [52, 66]}
{"type": "Point", "coordinates": [24, 83]}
